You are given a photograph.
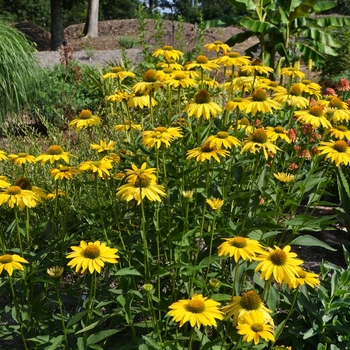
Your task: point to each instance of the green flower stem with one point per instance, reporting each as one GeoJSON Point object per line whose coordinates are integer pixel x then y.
{"type": "Point", "coordinates": [92, 294]}
{"type": "Point", "coordinates": [266, 288]}
{"type": "Point", "coordinates": [2, 241]}
{"type": "Point", "coordinates": [286, 319]}
{"type": "Point", "coordinates": [190, 343]}
{"type": "Point", "coordinates": [144, 239]}
{"type": "Point", "coordinates": [27, 226]}
{"type": "Point", "coordinates": [251, 191]}
{"type": "Point", "coordinates": [168, 122]}
{"type": "Point", "coordinates": [179, 101]}
{"type": "Point", "coordinates": [18, 230]}
{"type": "Point", "coordinates": [99, 209]}
{"type": "Point", "coordinates": [18, 313]}
{"type": "Point", "coordinates": [151, 107]}
{"type": "Point", "coordinates": [154, 319]}
{"type": "Point", "coordinates": [61, 312]}
{"type": "Point", "coordinates": [211, 246]}
{"type": "Point", "coordinates": [235, 278]}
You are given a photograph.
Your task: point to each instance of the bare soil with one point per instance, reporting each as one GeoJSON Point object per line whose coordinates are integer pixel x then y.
{"type": "Point", "coordinates": [109, 33]}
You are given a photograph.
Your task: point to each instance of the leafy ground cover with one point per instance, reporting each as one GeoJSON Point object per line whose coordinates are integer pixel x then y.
{"type": "Point", "coordinates": [165, 212]}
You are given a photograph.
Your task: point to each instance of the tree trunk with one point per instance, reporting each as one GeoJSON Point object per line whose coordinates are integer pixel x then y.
{"type": "Point", "coordinates": [57, 34]}
{"type": "Point", "coordinates": [91, 24]}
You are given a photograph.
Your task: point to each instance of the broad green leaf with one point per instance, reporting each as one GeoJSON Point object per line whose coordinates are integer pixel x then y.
{"type": "Point", "coordinates": [307, 240]}
{"type": "Point", "coordinates": [76, 318]}
{"type": "Point", "coordinates": [81, 344]}
{"type": "Point", "coordinates": [97, 337]}
{"type": "Point", "coordinates": [240, 38]}
{"type": "Point", "coordinates": [333, 22]}
{"type": "Point", "coordinates": [304, 9]}
{"type": "Point", "coordinates": [128, 271]}
{"type": "Point", "coordinates": [55, 342]}
{"type": "Point", "coordinates": [257, 26]}
{"type": "Point", "coordinates": [244, 4]}
{"type": "Point", "coordinates": [321, 37]}
{"type": "Point", "coordinates": [87, 328]}
{"type": "Point", "coordinates": [324, 5]}
{"type": "Point", "coordinates": [222, 22]}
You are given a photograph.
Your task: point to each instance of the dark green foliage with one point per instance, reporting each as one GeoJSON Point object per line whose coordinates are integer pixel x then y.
{"type": "Point", "coordinates": [338, 65]}
{"type": "Point", "coordinates": [61, 95]}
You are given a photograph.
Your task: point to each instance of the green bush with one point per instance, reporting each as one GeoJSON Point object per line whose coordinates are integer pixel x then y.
{"type": "Point", "coordinates": [128, 42]}
{"type": "Point", "coordinates": [61, 95]}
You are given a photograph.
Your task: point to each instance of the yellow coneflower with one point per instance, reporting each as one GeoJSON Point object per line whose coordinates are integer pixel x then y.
{"type": "Point", "coordinates": [53, 154]}
{"type": "Point", "coordinates": [203, 106]}
{"type": "Point", "coordinates": [202, 62]}
{"type": "Point", "coordinates": [198, 311]}
{"type": "Point", "coordinates": [260, 102]}
{"type": "Point", "coordinates": [168, 52]}
{"type": "Point", "coordinates": [118, 73]}
{"type": "Point", "coordinates": [259, 141]}
{"type": "Point", "coordinates": [85, 120]}
{"type": "Point", "coordinates": [206, 152]}
{"type": "Point", "coordinates": [338, 152]}
{"type": "Point", "coordinates": [217, 46]}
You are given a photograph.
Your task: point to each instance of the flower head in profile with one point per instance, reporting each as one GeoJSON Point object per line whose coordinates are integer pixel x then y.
{"type": "Point", "coordinates": [64, 172]}
{"type": "Point", "coordinates": [119, 96]}
{"type": "Point", "coordinates": [143, 187]}
{"type": "Point", "coordinates": [202, 62]}
{"type": "Point", "coordinates": [148, 83]}
{"type": "Point", "coordinates": [21, 158]}
{"type": "Point", "coordinates": [229, 59]}
{"type": "Point", "coordinates": [206, 152]}
{"type": "Point", "coordinates": [257, 67]}
{"type": "Point", "coordinates": [253, 327]}
{"type": "Point", "coordinates": [135, 174]}
{"type": "Point", "coordinates": [168, 52]}
{"type": "Point", "coordinates": [53, 154]}
{"type": "Point", "coordinates": [100, 167]}
{"type": "Point", "coordinates": [141, 99]}
{"type": "Point", "coordinates": [239, 248]}
{"type": "Point", "coordinates": [55, 271]}
{"type": "Point", "coordinates": [260, 102]}
{"type": "Point", "coordinates": [91, 256]}
{"type": "Point", "coordinates": [337, 151]}
{"type": "Point", "coordinates": [160, 135]}
{"type": "Point", "coordinates": [259, 141]}
{"type": "Point", "coordinates": [222, 139]}
{"type": "Point", "coordinates": [314, 116]}
{"type": "Point", "coordinates": [15, 196]}
{"type": "Point", "coordinates": [340, 132]}
{"type": "Point", "coordinates": [245, 304]}
{"type": "Point", "coordinates": [12, 262]}
{"type": "Point", "coordinates": [118, 73]}
{"type": "Point", "coordinates": [280, 263]}
{"type": "Point", "coordinates": [103, 146]}
{"type": "Point", "coordinates": [25, 184]}
{"type": "Point", "coordinates": [4, 183]}
{"type": "Point", "coordinates": [293, 97]}
{"type": "Point", "coordinates": [3, 155]}
{"type": "Point", "coordinates": [181, 79]}
{"type": "Point", "coordinates": [304, 278]}
{"type": "Point", "coordinates": [292, 72]}
{"type": "Point", "coordinates": [128, 125]}
{"type": "Point", "coordinates": [217, 46]}
{"type": "Point", "coordinates": [215, 204]}
{"type": "Point", "coordinates": [284, 177]}
{"type": "Point", "coordinates": [277, 132]}
{"type": "Point", "coordinates": [198, 311]}
{"type": "Point", "coordinates": [85, 120]}
{"type": "Point", "coordinates": [238, 102]}
{"type": "Point", "coordinates": [203, 106]}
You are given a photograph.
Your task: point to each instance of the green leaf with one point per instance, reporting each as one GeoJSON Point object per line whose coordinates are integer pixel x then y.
{"type": "Point", "coordinates": [222, 22]}
{"type": "Point", "coordinates": [97, 337]}
{"type": "Point", "coordinates": [240, 38]}
{"type": "Point", "coordinates": [87, 328]}
{"type": "Point", "coordinates": [257, 26]}
{"type": "Point", "coordinates": [80, 344]}
{"type": "Point", "coordinates": [333, 22]}
{"type": "Point", "coordinates": [128, 271]}
{"type": "Point", "coordinates": [244, 4]}
{"type": "Point", "coordinates": [324, 5]}
{"type": "Point", "coordinates": [54, 343]}
{"type": "Point", "coordinates": [321, 37]}
{"type": "Point", "coordinates": [307, 240]}
{"type": "Point", "coordinates": [76, 318]}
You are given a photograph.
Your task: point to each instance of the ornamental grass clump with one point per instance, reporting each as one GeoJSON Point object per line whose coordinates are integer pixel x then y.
{"type": "Point", "coordinates": [175, 220]}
